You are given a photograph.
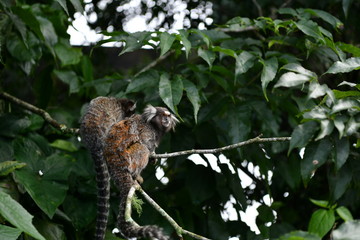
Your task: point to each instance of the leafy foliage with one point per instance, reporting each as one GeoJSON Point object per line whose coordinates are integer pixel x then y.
{"type": "Point", "coordinates": [293, 74]}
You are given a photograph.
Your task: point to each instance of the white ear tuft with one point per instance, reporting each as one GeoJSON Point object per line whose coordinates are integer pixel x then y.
{"type": "Point", "coordinates": [149, 113]}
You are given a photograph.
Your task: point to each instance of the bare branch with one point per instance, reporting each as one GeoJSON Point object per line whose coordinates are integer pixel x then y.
{"type": "Point", "coordinates": [257, 5]}
{"type": "Point", "coordinates": [257, 139]}
{"type": "Point", "coordinates": [154, 63]}
{"type": "Point", "coordinates": [179, 230]}
{"type": "Point", "coordinates": [238, 30]}
{"type": "Point", "coordinates": [62, 127]}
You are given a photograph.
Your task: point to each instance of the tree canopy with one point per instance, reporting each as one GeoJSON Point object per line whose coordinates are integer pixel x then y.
{"type": "Point", "coordinates": [283, 72]}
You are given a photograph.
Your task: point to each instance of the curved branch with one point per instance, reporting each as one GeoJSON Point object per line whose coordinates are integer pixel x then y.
{"type": "Point", "coordinates": [257, 139]}
{"type": "Point", "coordinates": [179, 230]}
{"type": "Point", "coordinates": [154, 63]}
{"type": "Point", "coordinates": [46, 116]}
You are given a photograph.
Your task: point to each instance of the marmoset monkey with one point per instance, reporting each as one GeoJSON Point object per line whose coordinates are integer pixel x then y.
{"type": "Point", "coordinates": [101, 114]}
{"type": "Point", "coordinates": [128, 146]}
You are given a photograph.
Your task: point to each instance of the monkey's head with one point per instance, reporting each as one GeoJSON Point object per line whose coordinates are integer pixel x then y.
{"type": "Point", "coordinates": [160, 118]}
{"type": "Point", "coordinates": [128, 106]}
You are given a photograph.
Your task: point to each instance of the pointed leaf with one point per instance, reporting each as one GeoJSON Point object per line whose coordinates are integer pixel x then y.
{"type": "Point", "coordinates": [295, 67]}
{"type": "Point", "coordinates": [166, 92]}
{"type": "Point", "coordinates": [9, 166]}
{"type": "Point", "coordinates": [348, 65]}
{"type": "Point", "coordinates": [310, 28]}
{"type": "Point", "coordinates": [302, 135]}
{"type": "Point", "coordinates": [9, 233]}
{"type": "Point", "coordinates": [13, 212]}
{"type": "Point", "coordinates": [291, 79]}
{"type": "Point", "coordinates": [342, 147]}
{"type": "Point", "coordinates": [70, 78]}
{"type": "Point", "coordinates": [207, 55]}
{"type": "Point", "coordinates": [320, 203]}
{"type": "Point", "coordinates": [268, 73]}
{"type": "Point", "coordinates": [148, 79]}
{"type": "Point", "coordinates": [321, 222]}
{"type": "Point", "coordinates": [193, 95]}
{"type": "Point", "coordinates": [166, 41]}
{"type": "Point", "coordinates": [177, 89]}
{"type": "Point", "coordinates": [299, 235]}
{"type": "Point", "coordinates": [315, 155]}
{"type": "Point", "coordinates": [63, 5]}
{"type": "Point", "coordinates": [344, 213]}
{"type": "Point", "coordinates": [244, 62]}
{"type": "Point", "coordinates": [64, 145]}
{"type": "Point", "coordinates": [326, 128]}
{"type": "Point", "coordinates": [327, 17]}
{"type": "Point", "coordinates": [186, 43]}
{"type": "Point", "coordinates": [77, 5]}
{"type": "Point", "coordinates": [48, 31]}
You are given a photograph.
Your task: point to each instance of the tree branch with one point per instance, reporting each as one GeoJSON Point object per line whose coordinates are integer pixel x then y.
{"type": "Point", "coordinates": [62, 127]}
{"type": "Point", "coordinates": [179, 230]}
{"type": "Point", "coordinates": [257, 139]}
{"type": "Point", "coordinates": [154, 63]}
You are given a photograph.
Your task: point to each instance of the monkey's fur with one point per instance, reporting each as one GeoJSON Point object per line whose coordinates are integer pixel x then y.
{"type": "Point", "coordinates": [101, 114]}
{"type": "Point", "coordinates": [128, 146]}
{"type": "Point", "coordinates": [121, 143]}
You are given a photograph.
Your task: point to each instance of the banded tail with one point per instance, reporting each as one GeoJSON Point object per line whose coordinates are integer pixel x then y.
{"type": "Point", "coordinates": [124, 181]}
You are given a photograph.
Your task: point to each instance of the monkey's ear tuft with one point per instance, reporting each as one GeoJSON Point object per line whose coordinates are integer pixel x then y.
{"type": "Point", "coordinates": [133, 107]}
{"type": "Point", "coordinates": [149, 113]}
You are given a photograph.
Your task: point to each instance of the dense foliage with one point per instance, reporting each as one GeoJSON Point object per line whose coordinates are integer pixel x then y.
{"type": "Point", "coordinates": [294, 74]}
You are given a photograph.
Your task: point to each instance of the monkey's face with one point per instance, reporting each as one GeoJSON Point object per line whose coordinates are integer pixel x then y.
{"type": "Point", "coordinates": [160, 118]}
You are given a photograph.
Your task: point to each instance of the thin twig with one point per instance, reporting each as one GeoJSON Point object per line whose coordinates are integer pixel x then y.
{"type": "Point", "coordinates": [216, 150]}
{"type": "Point", "coordinates": [237, 30]}
{"type": "Point", "coordinates": [62, 127]}
{"type": "Point", "coordinates": [179, 230]}
{"type": "Point", "coordinates": [154, 63]}
{"type": "Point", "coordinates": [257, 5]}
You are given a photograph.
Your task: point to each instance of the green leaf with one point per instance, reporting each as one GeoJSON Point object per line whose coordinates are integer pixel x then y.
{"type": "Point", "coordinates": [13, 212]}
{"type": "Point", "coordinates": [310, 28]}
{"type": "Point", "coordinates": [87, 69]}
{"type": "Point", "coordinates": [344, 213]}
{"type": "Point", "coordinates": [349, 230]}
{"type": "Point", "coordinates": [20, 26]}
{"type": "Point", "coordinates": [67, 54]}
{"type": "Point", "coordinates": [70, 78]}
{"type": "Point", "coordinates": [295, 67]}
{"type": "Point", "coordinates": [302, 135]}
{"type": "Point", "coordinates": [148, 79]}
{"type": "Point", "coordinates": [317, 90]}
{"type": "Point", "coordinates": [326, 128]}
{"type": "Point", "coordinates": [320, 203]}
{"type": "Point", "coordinates": [44, 177]}
{"type": "Point", "coordinates": [268, 73]}
{"type": "Point", "coordinates": [345, 104]}
{"type": "Point", "coordinates": [291, 79]}
{"type": "Point", "coordinates": [348, 65]}
{"type": "Point", "coordinates": [9, 166]}
{"type": "Point", "coordinates": [244, 62]}
{"type": "Point", "coordinates": [327, 17]}
{"type": "Point", "coordinates": [299, 235]}
{"type": "Point", "coordinates": [63, 5]}
{"type": "Point", "coordinates": [342, 151]}
{"type": "Point", "coordinates": [315, 155]}
{"type": "Point", "coordinates": [48, 31]}
{"type": "Point", "coordinates": [9, 233]}
{"type": "Point", "coordinates": [135, 41]}
{"type": "Point", "coordinates": [193, 95]}
{"type": "Point", "coordinates": [226, 51]}
{"type": "Point", "coordinates": [165, 91]}
{"type": "Point", "coordinates": [166, 41]}
{"type": "Point", "coordinates": [207, 55]}
{"type": "Point", "coordinates": [186, 43]}
{"type": "Point", "coordinates": [177, 88]}
{"type": "Point", "coordinates": [321, 222]}
{"type": "Point", "coordinates": [344, 94]}
{"type": "Point", "coordinates": [77, 5]}
{"type": "Point", "coordinates": [64, 145]}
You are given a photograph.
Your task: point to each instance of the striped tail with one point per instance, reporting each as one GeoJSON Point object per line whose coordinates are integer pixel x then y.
{"type": "Point", "coordinates": [128, 229]}
{"type": "Point", "coordinates": [103, 196]}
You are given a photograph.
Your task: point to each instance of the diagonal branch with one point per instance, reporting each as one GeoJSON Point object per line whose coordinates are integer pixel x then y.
{"type": "Point", "coordinates": [179, 230]}
{"type": "Point", "coordinates": [62, 127]}
{"type": "Point", "coordinates": [257, 139]}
